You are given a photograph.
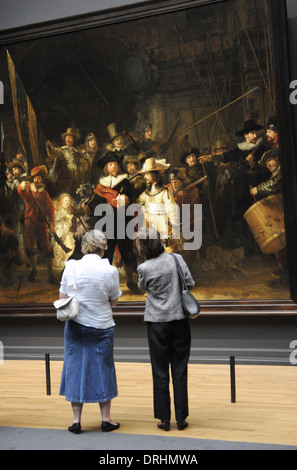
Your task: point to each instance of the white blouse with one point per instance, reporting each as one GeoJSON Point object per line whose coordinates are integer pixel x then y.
{"type": "Point", "coordinates": [97, 283]}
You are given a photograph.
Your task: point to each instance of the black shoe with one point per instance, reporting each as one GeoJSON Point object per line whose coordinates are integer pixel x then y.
{"type": "Point", "coordinates": [165, 425]}
{"type": "Point", "coordinates": [107, 427]}
{"type": "Point", "coordinates": [182, 425]}
{"type": "Point", "coordinates": [75, 428]}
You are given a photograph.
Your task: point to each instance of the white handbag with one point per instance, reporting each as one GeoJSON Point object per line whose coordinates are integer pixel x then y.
{"type": "Point", "coordinates": [68, 307]}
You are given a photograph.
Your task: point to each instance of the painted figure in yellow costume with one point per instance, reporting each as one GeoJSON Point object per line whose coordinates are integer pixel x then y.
{"type": "Point", "coordinates": [160, 209]}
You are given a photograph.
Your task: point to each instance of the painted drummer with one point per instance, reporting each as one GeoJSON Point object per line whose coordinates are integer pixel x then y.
{"type": "Point", "coordinates": [273, 185]}
{"type": "Point", "coordinates": [268, 188]}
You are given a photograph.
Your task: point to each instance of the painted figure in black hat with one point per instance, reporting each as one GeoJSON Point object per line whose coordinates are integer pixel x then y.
{"type": "Point", "coordinates": [248, 173]}
{"type": "Point", "coordinates": [190, 159]}
{"type": "Point", "coordinates": [194, 172]}
{"type": "Point", "coordinates": [115, 190]}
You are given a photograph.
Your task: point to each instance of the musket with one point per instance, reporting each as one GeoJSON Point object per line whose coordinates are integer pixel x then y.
{"type": "Point", "coordinates": [201, 180]}
{"type": "Point", "coordinates": [163, 147]}
{"type": "Point", "coordinates": [58, 240]}
{"type": "Point", "coordinates": [133, 176]}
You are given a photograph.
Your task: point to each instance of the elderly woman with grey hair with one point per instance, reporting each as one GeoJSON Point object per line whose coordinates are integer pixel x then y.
{"type": "Point", "coordinates": [88, 374]}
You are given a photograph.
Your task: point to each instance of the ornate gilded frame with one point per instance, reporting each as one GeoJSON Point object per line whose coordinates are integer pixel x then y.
{"type": "Point", "coordinates": [278, 22]}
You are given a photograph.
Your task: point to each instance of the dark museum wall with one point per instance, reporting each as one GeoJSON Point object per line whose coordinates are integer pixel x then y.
{"type": "Point", "coordinates": [252, 339]}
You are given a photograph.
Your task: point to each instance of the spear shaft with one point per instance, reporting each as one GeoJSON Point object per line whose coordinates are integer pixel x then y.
{"type": "Point", "coordinates": [252, 90]}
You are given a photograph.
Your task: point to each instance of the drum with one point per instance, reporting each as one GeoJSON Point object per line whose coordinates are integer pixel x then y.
{"type": "Point", "coordinates": [266, 221]}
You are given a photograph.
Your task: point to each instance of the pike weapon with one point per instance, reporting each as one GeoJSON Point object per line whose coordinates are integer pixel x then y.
{"type": "Point", "coordinates": [58, 240]}
{"type": "Point", "coordinates": [252, 90]}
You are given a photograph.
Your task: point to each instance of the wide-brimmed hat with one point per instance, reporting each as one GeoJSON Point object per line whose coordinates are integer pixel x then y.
{"type": "Point", "coordinates": [274, 153]}
{"type": "Point", "coordinates": [151, 164]}
{"type": "Point", "coordinates": [40, 170]}
{"type": "Point", "coordinates": [12, 165]}
{"type": "Point", "coordinates": [113, 131]}
{"type": "Point", "coordinates": [109, 157]}
{"type": "Point", "coordinates": [249, 126]}
{"type": "Point", "coordinates": [194, 150]}
{"type": "Point", "coordinates": [74, 132]}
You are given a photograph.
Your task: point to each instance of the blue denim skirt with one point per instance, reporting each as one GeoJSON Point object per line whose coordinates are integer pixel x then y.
{"type": "Point", "coordinates": [88, 374]}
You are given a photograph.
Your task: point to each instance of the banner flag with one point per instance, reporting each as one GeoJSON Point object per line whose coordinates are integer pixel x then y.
{"type": "Point", "coordinates": [29, 134]}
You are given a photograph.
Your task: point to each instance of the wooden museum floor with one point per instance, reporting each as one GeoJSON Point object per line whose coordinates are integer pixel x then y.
{"type": "Point", "coordinates": [265, 410]}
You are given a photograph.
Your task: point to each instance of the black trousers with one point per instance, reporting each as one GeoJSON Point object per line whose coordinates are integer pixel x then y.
{"type": "Point", "coordinates": [169, 345]}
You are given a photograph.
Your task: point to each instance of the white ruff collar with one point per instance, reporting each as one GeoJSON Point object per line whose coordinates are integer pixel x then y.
{"type": "Point", "coordinates": [111, 181]}
{"type": "Point", "coordinates": [247, 145]}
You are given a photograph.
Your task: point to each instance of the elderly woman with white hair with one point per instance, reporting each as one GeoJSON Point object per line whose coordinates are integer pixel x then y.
{"type": "Point", "coordinates": [88, 374]}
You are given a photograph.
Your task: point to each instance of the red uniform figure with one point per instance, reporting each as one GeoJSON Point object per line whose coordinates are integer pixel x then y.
{"type": "Point", "coordinates": [38, 204]}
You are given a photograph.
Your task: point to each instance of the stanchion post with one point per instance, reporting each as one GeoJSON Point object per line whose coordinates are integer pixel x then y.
{"type": "Point", "coordinates": [232, 379]}
{"type": "Point", "coordinates": [48, 374]}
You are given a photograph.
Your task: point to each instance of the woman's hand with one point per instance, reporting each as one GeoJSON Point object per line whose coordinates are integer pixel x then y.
{"type": "Point", "coordinates": [113, 302]}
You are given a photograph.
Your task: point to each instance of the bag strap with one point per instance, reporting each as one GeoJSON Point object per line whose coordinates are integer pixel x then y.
{"type": "Point", "coordinates": [180, 273]}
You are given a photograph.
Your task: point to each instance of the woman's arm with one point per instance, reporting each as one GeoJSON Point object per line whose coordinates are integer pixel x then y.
{"type": "Point", "coordinates": [115, 291]}
{"type": "Point", "coordinates": [188, 276]}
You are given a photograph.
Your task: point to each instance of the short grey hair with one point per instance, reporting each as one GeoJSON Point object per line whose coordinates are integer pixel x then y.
{"type": "Point", "coordinates": [93, 241]}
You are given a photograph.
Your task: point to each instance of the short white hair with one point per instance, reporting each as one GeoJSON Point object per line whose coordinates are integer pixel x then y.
{"type": "Point", "coordinates": [93, 241]}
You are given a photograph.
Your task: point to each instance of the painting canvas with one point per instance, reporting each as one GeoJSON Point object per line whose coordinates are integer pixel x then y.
{"type": "Point", "coordinates": [178, 106]}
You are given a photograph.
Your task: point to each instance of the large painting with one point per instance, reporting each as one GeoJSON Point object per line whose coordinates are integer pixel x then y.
{"type": "Point", "coordinates": [169, 118]}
